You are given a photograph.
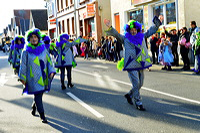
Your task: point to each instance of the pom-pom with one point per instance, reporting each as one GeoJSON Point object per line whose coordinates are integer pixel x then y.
{"type": "Point", "coordinates": [46, 39]}
{"type": "Point", "coordinates": [73, 64]}
{"type": "Point", "coordinates": [57, 70]}
{"type": "Point", "coordinates": [63, 37]}
{"type": "Point", "coordinates": [120, 64]}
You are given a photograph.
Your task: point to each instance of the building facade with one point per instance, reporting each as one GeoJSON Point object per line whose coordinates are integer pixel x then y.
{"type": "Point", "coordinates": [77, 17]}
{"type": "Point", "coordinates": [177, 13]}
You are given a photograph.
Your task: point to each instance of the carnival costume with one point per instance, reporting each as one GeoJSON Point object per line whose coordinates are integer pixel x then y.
{"type": "Point", "coordinates": [197, 53]}
{"type": "Point", "coordinates": [65, 58]}
{"type": "Point", "coordinates": [17, 53]}
{"type": "Point", "coordinates": [35, 70]}
{"type": "Point", "coordinates": [165, 55]}
{"type": "Point", "coordinates": [136, 57]}
{"type": "Point", "coordinates": [11, 54]}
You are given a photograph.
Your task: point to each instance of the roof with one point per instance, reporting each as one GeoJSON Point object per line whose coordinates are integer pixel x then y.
{"type": "Point", "coordinates": [20, 17]}
{"type": "Point", "coordinates": [40, 19]}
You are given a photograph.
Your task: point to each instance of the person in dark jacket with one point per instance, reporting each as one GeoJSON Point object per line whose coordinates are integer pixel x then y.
{"type": "Point", "coordinates": [154, 47]}
{"type": "Point", "coordinates": [183, 50]}
{"type": "Point", "coordinates": [174, 40]}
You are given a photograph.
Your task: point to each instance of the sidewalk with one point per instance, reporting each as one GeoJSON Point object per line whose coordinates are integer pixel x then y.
{"type": "Point", "coordinates": [155, 67]}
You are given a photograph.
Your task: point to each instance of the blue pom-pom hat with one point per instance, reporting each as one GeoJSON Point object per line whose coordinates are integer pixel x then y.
{"type": "Point", "coordinates": [33, 32]}
{"type": "Point", "coordinates": [133, 24]}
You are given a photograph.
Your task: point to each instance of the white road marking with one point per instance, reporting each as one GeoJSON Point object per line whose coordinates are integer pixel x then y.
{"type": "Point", "coordinates": [112, 84]}
{"type": "Point", "coordinates": [159, 92]}
{"type": "Point", "coordinates": [151, 90]}
{"type": "Point", "coordinates": [100, 66]}
{"type": "Point", "coordinates": [87, 73]}
{"type": "Point", "coordinates": [97, 114]}
{"type": "Point", "coordinates": [3, 57]}
{"type": "Point", "coordinates": [100, 81]}
{"type": "Point", "coordinates": [3, 79]}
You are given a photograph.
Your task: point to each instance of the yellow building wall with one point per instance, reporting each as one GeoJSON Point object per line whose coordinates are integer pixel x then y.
{"type": "Point", "coordinates": [104, 12]}
{"type": "Point", "coordinates": [192, 12]}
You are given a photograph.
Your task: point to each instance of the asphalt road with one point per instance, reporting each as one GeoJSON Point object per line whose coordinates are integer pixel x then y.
{"type": "Point", "coordinates": [97, 103]}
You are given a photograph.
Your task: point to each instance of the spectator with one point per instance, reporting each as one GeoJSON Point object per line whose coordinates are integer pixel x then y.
{"type": "Point", "coordinates": [154, 47]}
{"type": "Point", "coordinates": [174, 40]}
{"type": "Point", "coordinates": [183, 39]}
{"type": "Point", "coordinates": [193, 38]}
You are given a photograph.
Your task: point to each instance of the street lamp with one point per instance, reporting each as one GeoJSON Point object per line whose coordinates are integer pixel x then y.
{"type": "Point", "coordinates": [24, 22]}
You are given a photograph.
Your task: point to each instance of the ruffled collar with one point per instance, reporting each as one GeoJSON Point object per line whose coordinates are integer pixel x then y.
{"type": "Point", "coordinates": [36, 50]}
{"type": "Point", "coordinates": [136, 39]}
{"type": "Point", "coordinates": [19, 46]}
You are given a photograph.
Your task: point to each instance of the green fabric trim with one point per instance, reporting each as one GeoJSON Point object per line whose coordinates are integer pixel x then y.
{"type": "Point", "coordinates": [139, 59]}
{"type": "Point", "coordinates": [36, 61]}
{"type": "Point", "coordinates": [12, 52]}
{"type": "Point", "coordinates": [143, 52]}
{"type": "Point", "coordinates": [148, 60]}
{"type": "Point", "coordinates": [73, 64]}
{"type": "Point", "coordinates": [63, 46]}
{"type": "Point", "coordinates": [31, 72]}
{"type": "Point", "coordinates": [41, 82]}
{"type": "Point", "coordinates": [63, 57]}
{"type": "Point", "coordinates": [120, 64]}
{"type": "Point", "coordinates": [49, 60]}
{"type": "Point", "coordinates": [77, 40]}
{"type": "Point", "coordinates": [24, 77]}
{"type": "Point", "coordinates": [109, 29]}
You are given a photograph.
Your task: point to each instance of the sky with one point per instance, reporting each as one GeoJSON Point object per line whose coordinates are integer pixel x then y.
{"type": "Point", "coordinates": [7, 7]}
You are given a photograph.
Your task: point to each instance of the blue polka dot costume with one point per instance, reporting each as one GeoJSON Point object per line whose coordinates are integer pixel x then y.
{"type": "Point", "coordinates": [136, 57]}
{"type": "Point", "coordinates": [65, 56]}
{"type": "Point", "coordinates": [36, 66]}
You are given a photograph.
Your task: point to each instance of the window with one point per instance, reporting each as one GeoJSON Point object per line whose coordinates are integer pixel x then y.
{"type": "Point", "coordinates": [66, 3]}
{"type": "Point", "coordinates": [63, 26]}
{"type": "Point", "coordinates": [158, 10]}
{"type": "Point", "coordinates": [73, 25]}
{"type": "Point", "coordinates": [136, 15]}
{"type": "Point", "coordinates": [168, 11]}
{"type": "Point", "coordinates": [71, 2]}
{"type": "Point", "coordinates": [58, 7]}
{"type": "Point", "coordinates": [171, 13]}
{"type": "Point", "coordinates": [68, 28]}
{"type": "Point", "coordinates": [59, 25]}
{"type": "Point", "coordinates": [61, 4]}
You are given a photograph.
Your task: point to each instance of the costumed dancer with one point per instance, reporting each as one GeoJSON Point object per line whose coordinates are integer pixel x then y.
{"type": "Point", "coordinates": [65, 58]}
{"type": "Point", "coordinates": [136, 57]}
{"type": "Point", "coordinates": [197, 53]}
{"type": "Point", "coordinates": [36, 71]}
{"type": "Point", "coordinates": [165, 54]}
{"type": "Point", "coordinates": [18, 47]}
{"type": "Point", "coordinates": [11, 54]}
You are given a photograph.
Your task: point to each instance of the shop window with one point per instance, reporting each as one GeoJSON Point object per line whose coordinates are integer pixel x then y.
{"type": "Point", "coordinates": [63, 26]}
{"type": "Point", "coordinates": [171, 13]}
{"type": "Point", "coordinates": [136, 15]}
{"type": "Point", "coordinates": [73, 31]}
